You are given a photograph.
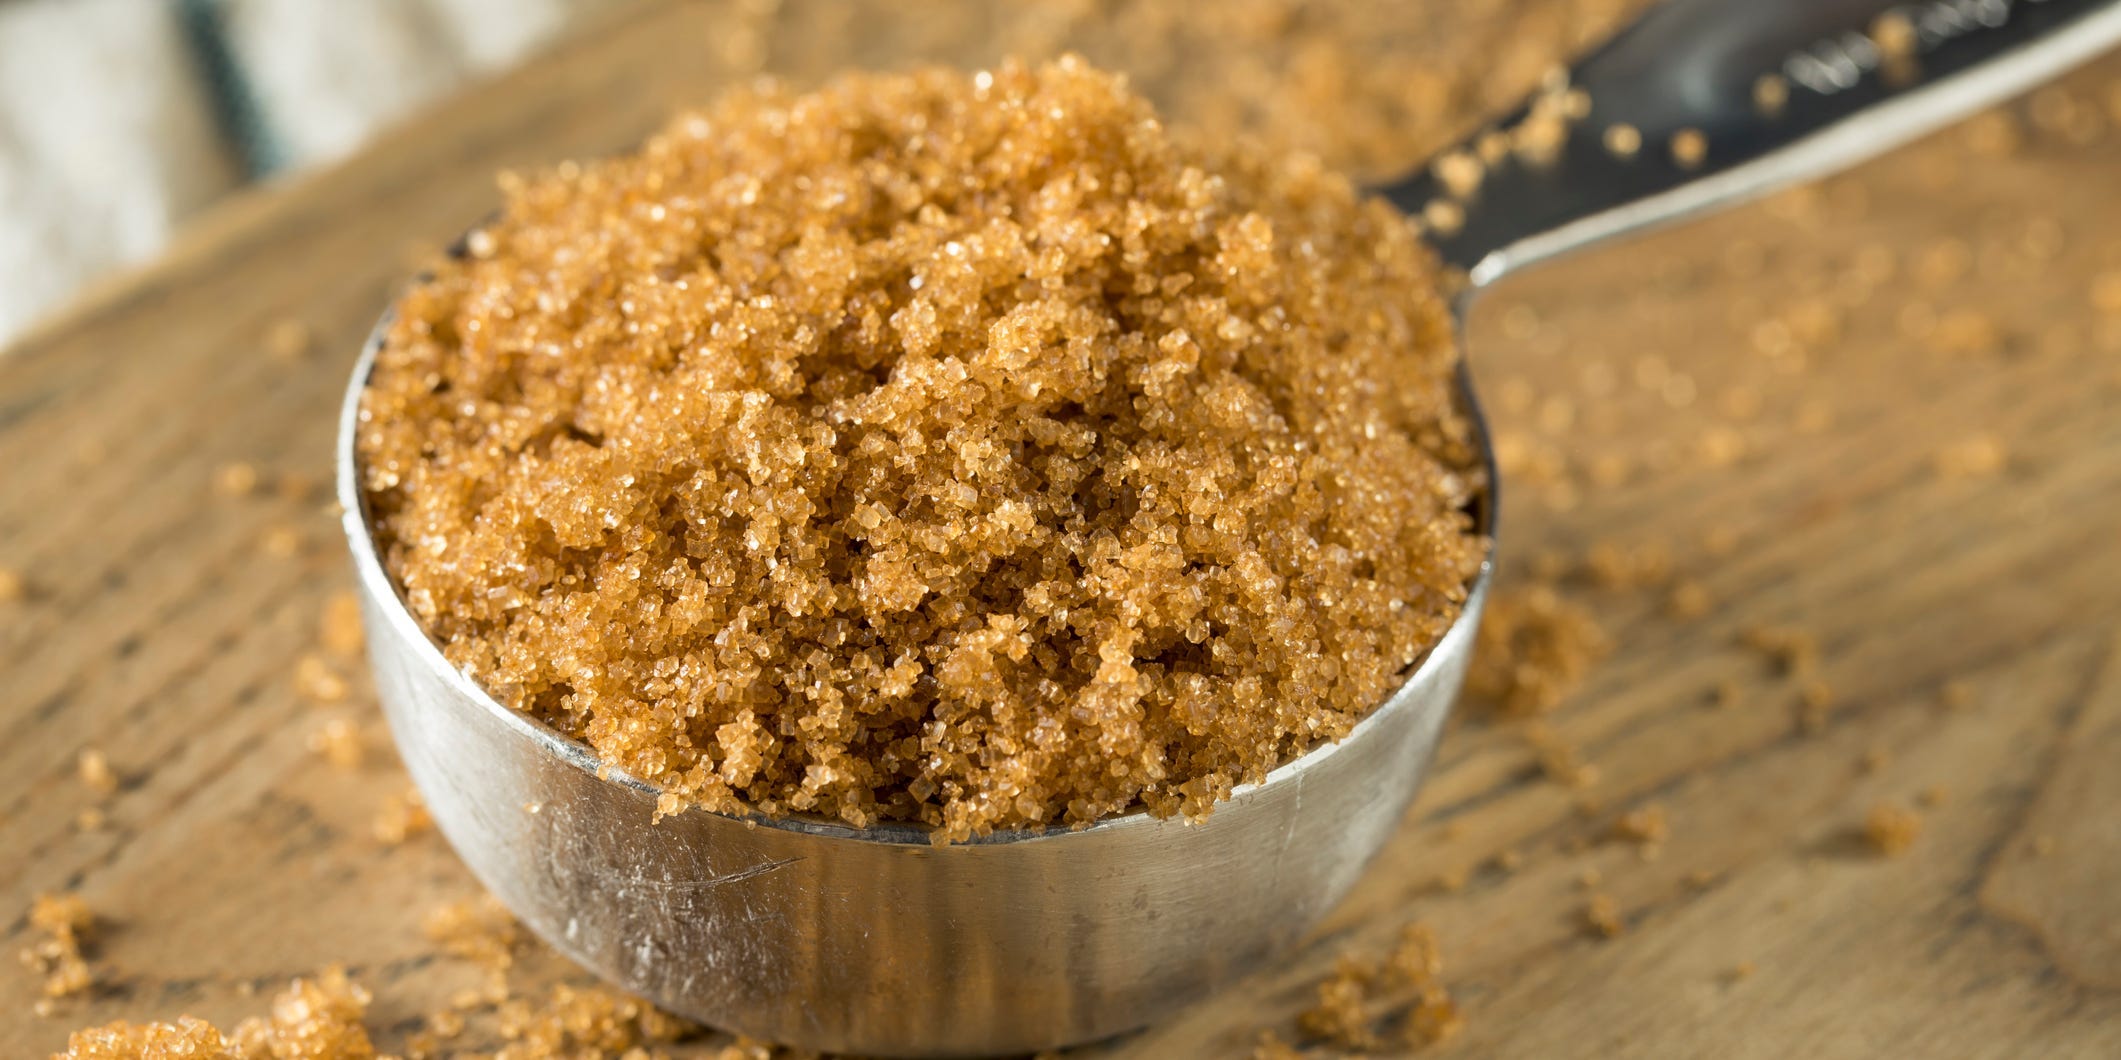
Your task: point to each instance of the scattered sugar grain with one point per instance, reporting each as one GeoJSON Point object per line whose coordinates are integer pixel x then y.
{"type": "Point", "coordinates": [1979, 456]}
{"type": "Point", "coordinates": [1689, 599]}
{"type": "Point", "coordinates": [236, 479]}
{"type": "Point", "coordinates": [1647, 825]}
{"type": "Point", "coordinates": [480, 930]}
{"type": "Point", "coordinates": [339, 629]}
{"type": "Point", "coordinates": [313, 1019]}
{"type": "Point", "coordinates": [1792, 651]}
{"type": "Point", "coordinates": [1623, 140]}
{"type": "Point", "coordinates": [281, 542]}
{"type": "Point", "coordinates": [1815, 703]}
{"type": "Point", "coordinates": [338, 742]}
{"type": "Point", "coordinates": [1533, 648]}
{"type": "Point", "coordinates": [1891, 829]}
{"type": "Point", "coordinates": [60, 956]}
{"type": "Point", "coordinates": [403, 817]}
{"type": "Point", "coordinates": [1270, 1046]}
{"type": "Point", "coordinates": [1690, 148]}
{"type": "Point", "coordinates": [94, 769]}
{"type": "Point", "coordinates": [1460, 173]}
{"type": "Point", "coordinates": [288, 339]}
{"type": "Point", "coordinates": [318, 681]}
{"type": "Point", "coordinates": [1771, 93]}
{"type": "Point", "coordinates": [1337, 1016]}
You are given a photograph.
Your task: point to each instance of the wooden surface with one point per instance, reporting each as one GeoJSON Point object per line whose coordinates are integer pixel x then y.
{"type": "Point", "coordinates": [160, 629]}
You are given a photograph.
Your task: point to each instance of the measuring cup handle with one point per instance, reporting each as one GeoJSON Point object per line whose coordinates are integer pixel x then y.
{"type": "Point", "coordinates": [1726, 99]}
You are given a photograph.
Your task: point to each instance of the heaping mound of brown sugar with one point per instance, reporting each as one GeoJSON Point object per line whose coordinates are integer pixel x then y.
{"type": "Point", "coordinates": [950, 448]}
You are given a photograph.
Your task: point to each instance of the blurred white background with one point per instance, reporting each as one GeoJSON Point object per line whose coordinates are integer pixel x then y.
{"type": "Point", "coordinates": [121, 118]}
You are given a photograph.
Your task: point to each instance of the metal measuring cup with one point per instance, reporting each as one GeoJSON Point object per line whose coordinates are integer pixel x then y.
{"type": "Point", "coordinates": [873, 940]}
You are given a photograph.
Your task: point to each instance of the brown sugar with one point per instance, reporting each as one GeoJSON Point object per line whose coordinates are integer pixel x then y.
{"type": "Point", "coordinates": [236, 479]}
{"type": "Point", "coordinates": [589, 1021]}
{"type": "Point", "coordinates": [318, 681]}
{"type": "Point", "coordinates": [1338, 1015]}
{"type": "Point", "coordinates": [1602, 916]}
{"type": "Point", "coordinates": [1794, 652]}
{"type": "Point", "coordinates": [60, 957]}
{"type": "Point", "coordinates": [1979, 456]}
{"type": "Point", "coordinates": [1559, 760]}
{"type": "Point", "coordinates": [189, 1037]}
{"type": "Point", "coordinates": [95, 771]}
{"type": "Point", "coordinates": [13, 586]}
{"type": "Point", "coordinates": [1636, 565]}
{"type": "Point", "coordinates": [313, 1019]}
{"type": "Point", "coordinates": [1690, 148]}
{"type": "Point", "coordinates": [480, 930]}
{"type": "Point", "coordinates": [287, 339]}
{"type": "Point", "coordinates": [1271, 1046]}
{"type": "Point", "coordinates": [403, 816]}
{"type": "Point", "coordinates": [1534, 647]}
{"type": "Point", "coordinates": [1644, 826]}
{"type": "Point", "coordinates": [956, 449]}
{"type": "Point", "coordinates": [338, 742]}
{"type": "Point", "coordinates": [1689, 599]}
{"type": "Point", "coordinates": [1771, 93]}
{"type": "Point", "coordinates": [1891, 829]}
{"type": "Point", "coordinates": [1623, 140]}
{"type": "Point", "coordinates": [1815, 704]}
{"type": "Point", "coordinates": [1362, 992]}
{"type": "Point", "coordinates": [281, 542]}
{"type": "Point", "coordinates": [339, 627]}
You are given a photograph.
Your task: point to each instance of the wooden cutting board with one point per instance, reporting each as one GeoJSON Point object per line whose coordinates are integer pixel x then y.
{"type": "Point", "coordinates": [1797, 408]}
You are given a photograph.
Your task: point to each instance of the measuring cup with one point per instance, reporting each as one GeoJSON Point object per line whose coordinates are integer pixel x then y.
{"type": "Point", "coordinates": [875, 941]}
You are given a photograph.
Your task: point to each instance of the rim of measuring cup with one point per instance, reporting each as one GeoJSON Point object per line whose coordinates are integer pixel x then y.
{"type": "Point", "coordinates": [377, 582]}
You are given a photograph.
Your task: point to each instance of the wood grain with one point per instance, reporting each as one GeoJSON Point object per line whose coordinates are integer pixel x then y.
{"type": "Point", "coordinates": [159, 629]}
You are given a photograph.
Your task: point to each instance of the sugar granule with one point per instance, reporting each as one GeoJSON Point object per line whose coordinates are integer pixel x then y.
{"type": "Point", "coordinates": [1533, 648]}
{"type": "Point", "coordinates": [586, 1021]}
{"type": "Point", "coordinates": [1891, 829]}
{"type": "Point", "coordinates": [313, 1019]}
{"type": "Point", "coordinates": [1690, 148]}
{"type": "Point", "coordinates": [1558, 760]}
{"type": "Point", "coordinates": [403, 816]}
{"type": "Point", "coordinates": [236, 479]}
{"type": "Point", "coordinates": [1644, 826]}
{"type": "Point", "coordinates": [1793, 651]}
{"type": "Point", "coordinates": [1270, 1046]}
{"type": "Point", "coordinates": [317, 681]}
{"type": "Point", "coordinates": [338, 742]}
{"type": "Point", "coordinates": [339, 628]}
{"type": "Point", "coordinates": [1688, 599]}
{"type": "Point", "coordinates": [280, 542]}
{"type": "Point", "coordinates": [984, 457]}
{"type": "Point", "coordinates": [1979, 456]}
{"type": "Point", "coordinates": [1337, 1015]}
{"type": "Point", "coordinates": [480, 930]}
{"type": "Point", "coordinates": [1623, 140]}
{"type": "Point", "coordinates": [287, 339]}
{"type": "Point", "coordinates": [13, 586]}
{"type": "Point", "coordinates": [95, 771]}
